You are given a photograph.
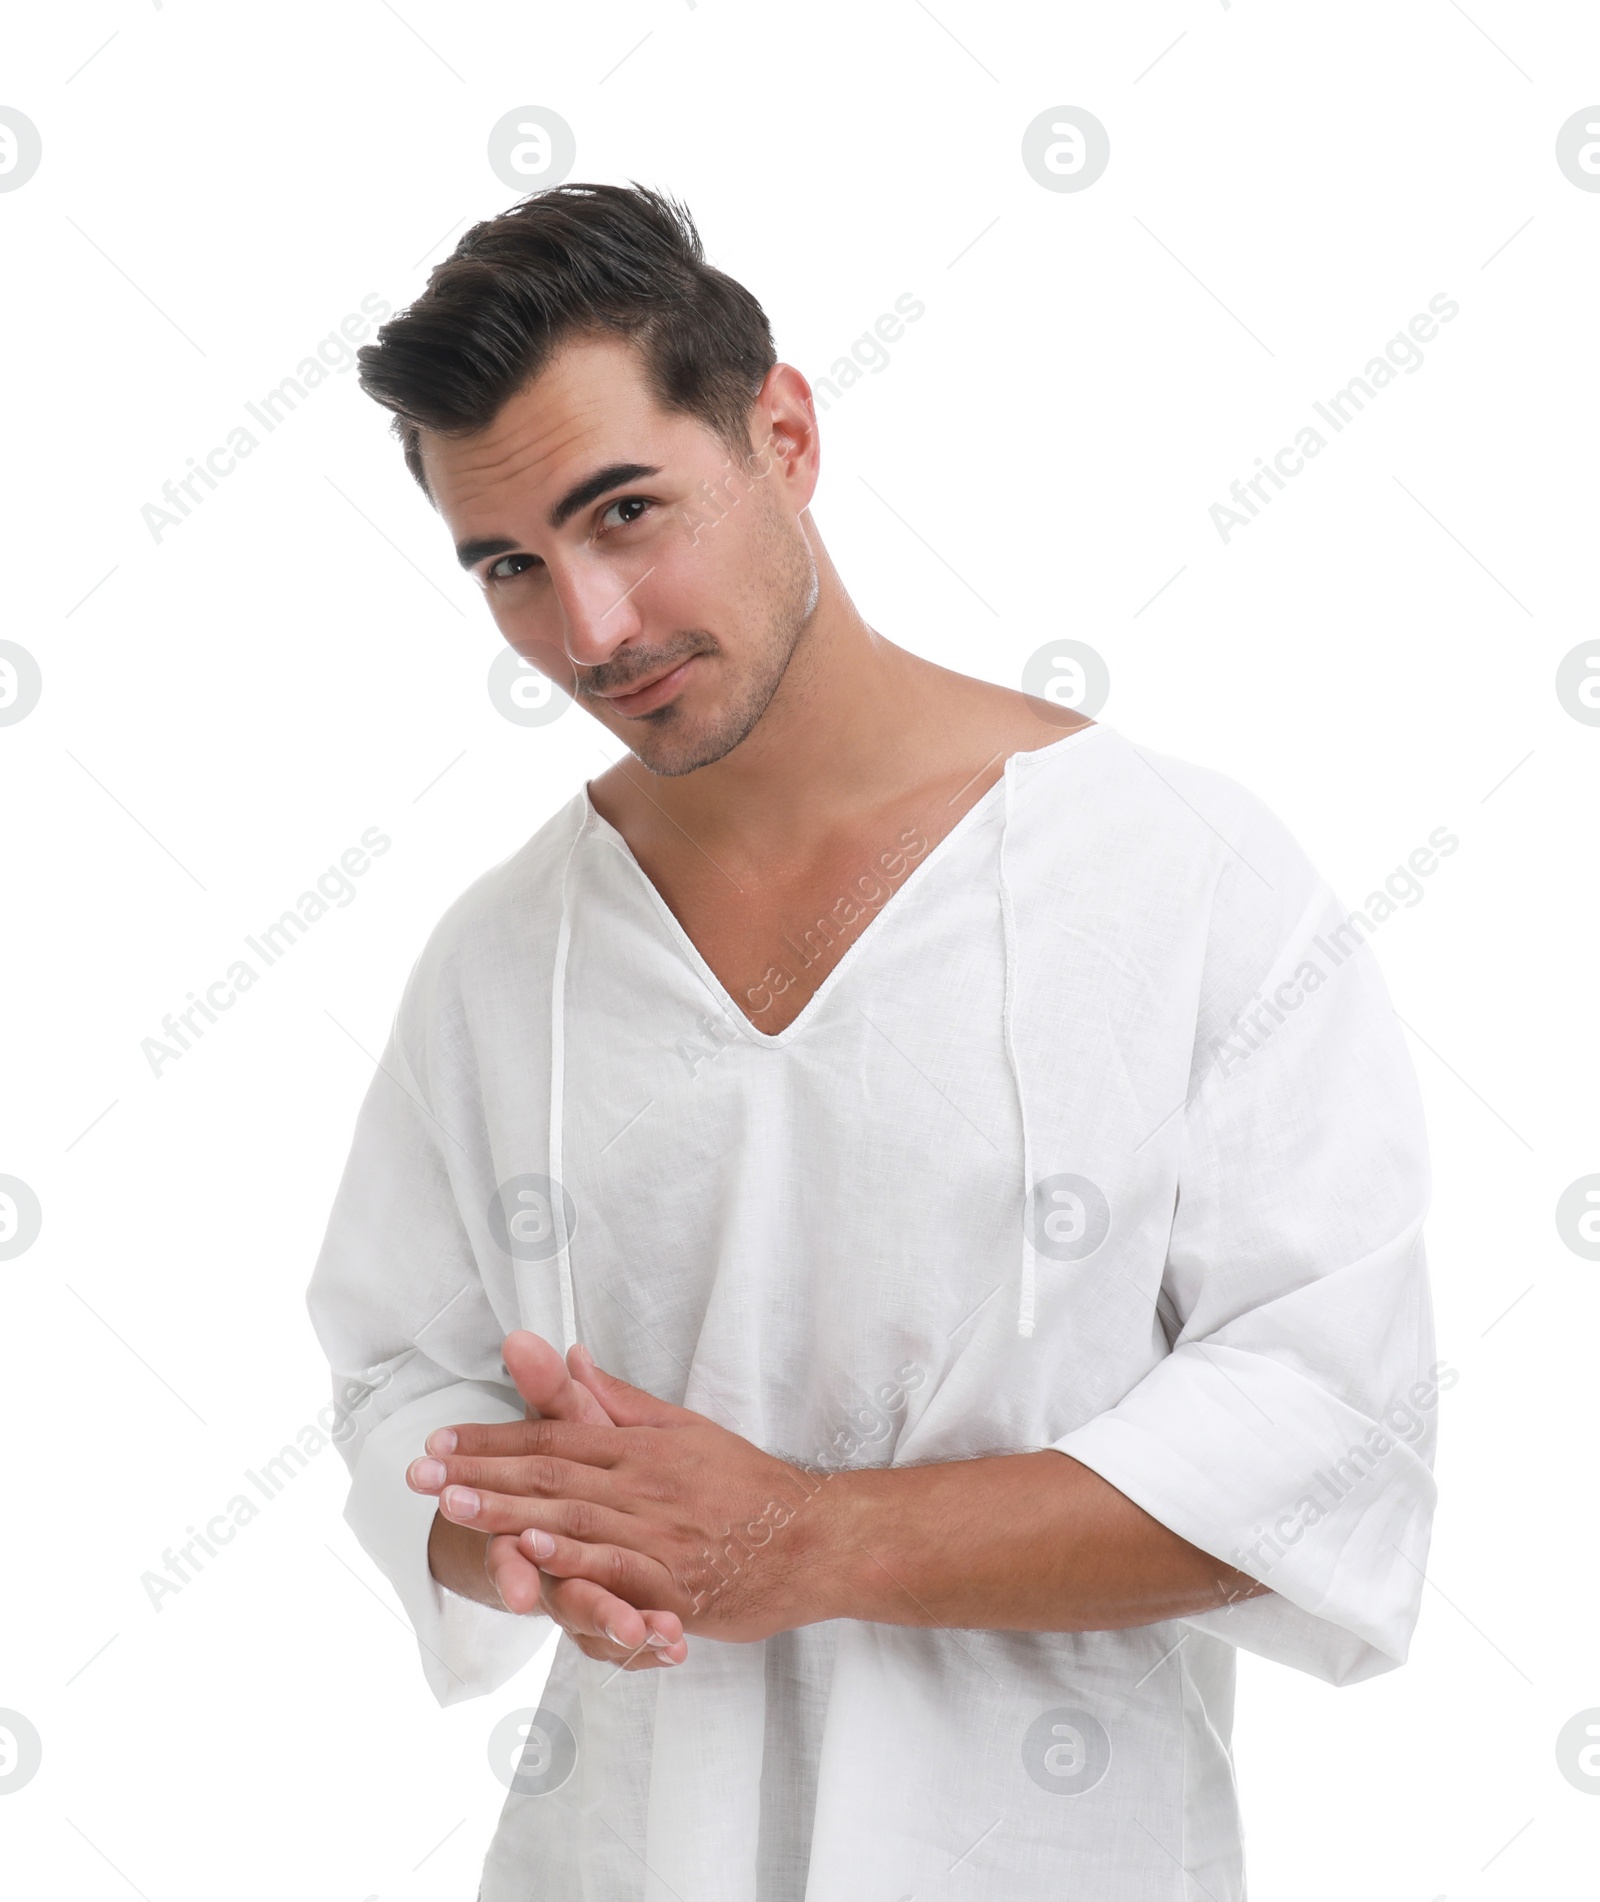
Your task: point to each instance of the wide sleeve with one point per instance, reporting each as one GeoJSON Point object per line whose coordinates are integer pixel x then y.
{"type": "Point", "coordinates": [398, 1303]}
{"type": "Point", "coordinates": [1290, 1430]}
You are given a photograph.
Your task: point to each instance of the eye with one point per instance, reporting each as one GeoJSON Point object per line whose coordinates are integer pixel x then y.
{"type": "Point", "coordinates": [637, 504]}
{"type": "Point", "coordinates": [499, 571]}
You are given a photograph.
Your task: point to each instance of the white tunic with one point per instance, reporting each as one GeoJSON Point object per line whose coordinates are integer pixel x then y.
{"type": "Point", "coordinates": [1100, 1136]}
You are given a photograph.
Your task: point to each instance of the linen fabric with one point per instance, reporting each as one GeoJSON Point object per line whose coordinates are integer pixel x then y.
{"type": "Point", "coordinates": [1101, 1136]}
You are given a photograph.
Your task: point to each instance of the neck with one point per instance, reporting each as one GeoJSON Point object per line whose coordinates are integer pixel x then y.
{"type": "Point", "coordinates": [843, 734]}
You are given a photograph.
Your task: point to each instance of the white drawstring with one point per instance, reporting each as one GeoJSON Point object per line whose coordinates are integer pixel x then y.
{"type": "Point", "coordinates": [1008, 926]}
{"type": "Point", "coordinates": [558, 1212]}
{"type": "Point", "coordinates": [558, 1057]}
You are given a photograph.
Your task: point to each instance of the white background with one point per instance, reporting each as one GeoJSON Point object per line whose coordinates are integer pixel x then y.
{"type": "Point", "coordinates": [226, 710]}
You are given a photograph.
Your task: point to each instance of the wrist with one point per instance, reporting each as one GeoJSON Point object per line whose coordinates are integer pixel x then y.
{"type": "Point", "coordinates": [829, 1560]}
{"type": "Point", "coordinates": [458, 1559]}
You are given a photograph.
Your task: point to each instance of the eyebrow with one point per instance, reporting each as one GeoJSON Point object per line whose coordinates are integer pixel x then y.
{"type": "Point", "coordinates": [614, 475]}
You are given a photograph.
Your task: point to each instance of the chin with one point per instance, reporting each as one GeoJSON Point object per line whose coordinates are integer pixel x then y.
{"type": "Point", "coordinates": [672, 758]}
{"type": "Point", "coordinates": [680, 746]}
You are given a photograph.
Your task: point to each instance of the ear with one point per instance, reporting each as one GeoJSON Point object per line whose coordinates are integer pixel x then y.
{"type": "Point", "coordinates": [627, 1406]}
{"type": "Point", "coordinates": [545, 1385]}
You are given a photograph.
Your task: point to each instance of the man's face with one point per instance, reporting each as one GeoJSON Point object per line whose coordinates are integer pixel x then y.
{"type": "Point", "coordinates": [590, 516]}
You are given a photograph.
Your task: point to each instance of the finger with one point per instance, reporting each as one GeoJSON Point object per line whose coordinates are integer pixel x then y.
{"type": "Point", "coordinates": [569, 1440]}
{"type": "Point", "coordinates": [503, 1441]}
{"type": "Point", "coordinates": [625, 1573]}
{"type": "Point", "coordinates": [554, 1464]}
{"type": "Point", "coordinates": [586, 1610]}
{"type": "Point", "coordinates": [651, 1655]}
{"type": "Point", "coordinates": [543, 1380]}
{"type": "Point", "coordinates": [583, 1440]}
{"type": "Point", "coordinates": [525, 1478]}
{"type": "Point", "coordinates": [628, 1406]}
{"type": "Point", "coordinates": [580, 1520]}
{"type": "Point", "coordinates": [514, 1576]}
{"type": "Point", "coordinates": [515, 1512]}
{"type": "Point", "coordinates": [521, 1589]}
{"type": "Point", "coordinates": [604, 1653]}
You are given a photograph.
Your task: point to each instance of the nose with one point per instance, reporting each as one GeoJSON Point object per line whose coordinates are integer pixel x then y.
{"type": "Point", "coordinates": [600, 610]}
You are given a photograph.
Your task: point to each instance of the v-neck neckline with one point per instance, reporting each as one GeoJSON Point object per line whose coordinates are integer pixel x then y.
{"type": "Point", "coordinates": [916, 877]}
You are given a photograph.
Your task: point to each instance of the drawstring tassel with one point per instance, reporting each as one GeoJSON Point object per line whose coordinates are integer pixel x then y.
{"type": "Point", "coordinates": [1008, 926]}
{"type": "Point", "coordinates": [558, 1053]}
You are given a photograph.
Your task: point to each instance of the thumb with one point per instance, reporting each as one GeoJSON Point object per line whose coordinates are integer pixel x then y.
{"type": "Point", "coordinates": [624, 1405]}
{"type": "Point", "coordinates": [542, 1379]}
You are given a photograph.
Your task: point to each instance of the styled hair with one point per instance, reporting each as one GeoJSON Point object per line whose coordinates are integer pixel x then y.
{"type": "Point", "coordinates": [577, 260]}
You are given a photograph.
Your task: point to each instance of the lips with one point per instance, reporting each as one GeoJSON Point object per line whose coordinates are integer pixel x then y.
{"type": "Point", "coordinates": [656, 691]}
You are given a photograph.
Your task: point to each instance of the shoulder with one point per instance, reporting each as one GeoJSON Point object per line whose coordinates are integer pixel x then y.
{"type": "Point", "coordinates": [1181, 845]}
{"type": "Point", "coordinates": [1128, 792]}
{"type": "Point", "coordinates": [502, 928]}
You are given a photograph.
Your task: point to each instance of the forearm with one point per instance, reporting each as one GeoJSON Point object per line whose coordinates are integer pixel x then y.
{"type": "Point", "coordinates": [665, 1509]}
{"type": "Point", "coordinates": [1024, 1542]}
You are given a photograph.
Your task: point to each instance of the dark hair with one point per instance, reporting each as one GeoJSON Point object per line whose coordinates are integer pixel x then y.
{"type": "Point", "coordinates": [575, 260]}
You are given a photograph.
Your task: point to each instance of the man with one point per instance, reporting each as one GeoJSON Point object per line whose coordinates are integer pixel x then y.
{"type": "Point", "coordinates": [894, 1219]}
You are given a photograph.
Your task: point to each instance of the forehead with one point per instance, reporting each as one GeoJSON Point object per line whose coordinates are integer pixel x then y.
{"type": "Point", "coordinates": [590, 405]}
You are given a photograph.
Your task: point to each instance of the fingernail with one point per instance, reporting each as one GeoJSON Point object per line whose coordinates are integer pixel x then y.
{"type": "Point", "coordinates": [656, 1642]}
{"type": "Point", "coordinates": [583, 1353]}
{"type": "Point", "coordinates": [615, 1639]}
{"type": "Point", "coordinates": [428, 1474]}
{"type": "Point", "coordinates": [542, 1543]}
{"type": "Point", "coordinates": [443, 1440]}
{"type": "Point", "coordinates": [461, 1502]}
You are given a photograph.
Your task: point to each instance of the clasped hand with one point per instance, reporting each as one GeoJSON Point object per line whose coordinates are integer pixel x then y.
{"type": "Point", "coordinates": [628, 1520]}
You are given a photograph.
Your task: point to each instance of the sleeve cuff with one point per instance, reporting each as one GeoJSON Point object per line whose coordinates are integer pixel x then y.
{"type": "Point", "coordinates": [1276, 1476]}
{"type": "Point", "coordinates": [467, 1649]}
